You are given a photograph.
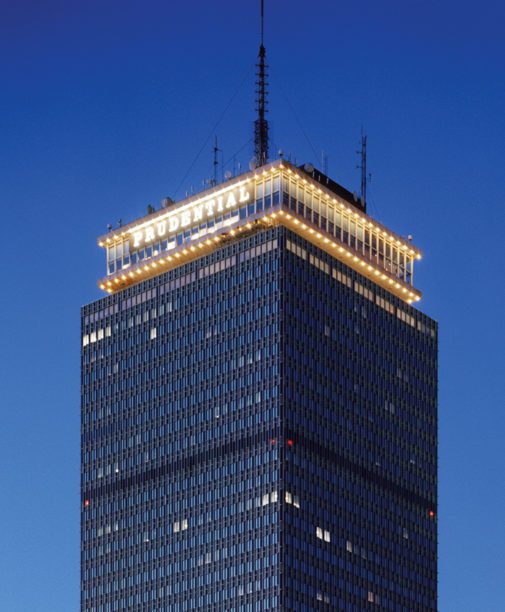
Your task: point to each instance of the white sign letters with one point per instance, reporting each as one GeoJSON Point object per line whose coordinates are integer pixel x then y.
{"type": "Point", "coordinates": [175, 221]}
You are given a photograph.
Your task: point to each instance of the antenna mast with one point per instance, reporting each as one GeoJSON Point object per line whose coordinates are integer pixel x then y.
{"type": "Point", "coordinates": [362, 166]}
{"type": "Point", "coordinates": [261, 123]}
{"type": "Point", "coordinates": [216, 162]}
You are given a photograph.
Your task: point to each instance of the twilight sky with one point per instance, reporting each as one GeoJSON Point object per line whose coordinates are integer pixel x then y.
{"type": "Point", "coordinates": [108, 106]}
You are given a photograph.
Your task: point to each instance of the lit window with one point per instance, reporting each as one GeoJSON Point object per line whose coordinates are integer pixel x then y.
{"type": "Point", "coordinates": [296, 501]}
{"type": "Point", "coordinates": [265, 500]}
{"type": "Point", "coordinates": [288, 497]}
{"type": "Point", "coordinates": [177, 527]}
{"type": "Point", "coordinates": [348, 546]}
{"type": "Point", "coordinates": [322, 534]}
{"type": "Point", "coordinates": [154, 333]}
{"type": "Point", "coordinates": [273, 497]}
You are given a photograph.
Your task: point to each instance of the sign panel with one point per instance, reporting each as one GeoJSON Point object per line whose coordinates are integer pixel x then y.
{"type": "Point", "coordinates": [197, 213]}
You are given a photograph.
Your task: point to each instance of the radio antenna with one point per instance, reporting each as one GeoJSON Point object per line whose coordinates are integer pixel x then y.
{"type": "Point", "coordinates": [216, 162]}
{"type": "Point", "coordinates": [362, 167]}
{"type": "Point", "coordinates": [261, 123]}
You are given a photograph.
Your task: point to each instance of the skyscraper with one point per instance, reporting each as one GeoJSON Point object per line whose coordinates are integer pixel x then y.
{"type": "Point", "coordinates": [259, 407]}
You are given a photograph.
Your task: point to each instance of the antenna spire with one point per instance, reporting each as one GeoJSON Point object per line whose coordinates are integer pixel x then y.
{"type": "Point", "coordinates": [362, 166]}
{"type": "Point", "coordinates": [216, 150]}
{"type": "Point", "coordinates": [261, 123]}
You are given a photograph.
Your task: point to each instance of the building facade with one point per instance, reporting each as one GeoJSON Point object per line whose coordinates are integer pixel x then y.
{"type": "Point", "coordinates": [259, 408]}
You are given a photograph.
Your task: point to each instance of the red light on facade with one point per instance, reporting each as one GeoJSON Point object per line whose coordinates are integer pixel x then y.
{"type": "Point", "coordinates": [86, 503]}
{"type": "Point", "coordinates": [431, 513]}
{"type": "Point", "coordinates": [290, 442]}
{"type": "Point", "coordinates": [272, 441]}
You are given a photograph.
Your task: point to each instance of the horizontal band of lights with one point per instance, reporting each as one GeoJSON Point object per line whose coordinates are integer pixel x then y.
{"type": "Point", "coordinates": [184, 254]}
{"type": "Point", "coordinates": [222, 214]}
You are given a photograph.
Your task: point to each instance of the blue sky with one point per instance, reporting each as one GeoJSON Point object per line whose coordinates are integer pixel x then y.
{"type": "Point", "coordinates": [104, 109]}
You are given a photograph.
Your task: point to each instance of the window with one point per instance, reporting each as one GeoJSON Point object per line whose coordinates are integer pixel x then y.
{"type": "Point", "coordinates": [323, 534]}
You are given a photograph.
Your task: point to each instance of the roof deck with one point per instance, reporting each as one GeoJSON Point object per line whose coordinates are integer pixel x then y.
{"type": "Point", "coordinates": [277, 193]}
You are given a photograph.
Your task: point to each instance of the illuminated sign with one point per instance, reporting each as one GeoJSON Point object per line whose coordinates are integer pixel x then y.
{"type": "Point", "coordinates": [193, 214]}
